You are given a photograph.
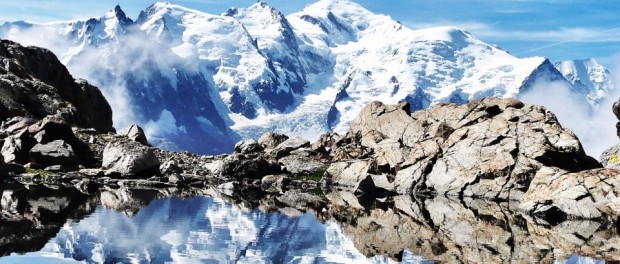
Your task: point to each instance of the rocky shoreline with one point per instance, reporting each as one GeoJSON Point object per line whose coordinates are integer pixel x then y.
{"type": "Point", "coordinates": [495, 149]}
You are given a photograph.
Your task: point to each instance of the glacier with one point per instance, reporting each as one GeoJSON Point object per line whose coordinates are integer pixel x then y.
{"type": "Point", "coordinates": [200, 82]}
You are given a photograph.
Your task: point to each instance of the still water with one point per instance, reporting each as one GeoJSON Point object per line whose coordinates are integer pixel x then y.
{"type": "Point", "coordinates": [140, 227]}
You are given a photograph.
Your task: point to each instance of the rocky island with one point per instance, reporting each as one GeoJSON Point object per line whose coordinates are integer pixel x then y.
{"type": "Point", "coordinates": [495, 162]}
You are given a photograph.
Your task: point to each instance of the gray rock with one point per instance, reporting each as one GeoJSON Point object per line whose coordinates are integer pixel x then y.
{"type": "Point", "coordinates": [274, 183]}
{"type": "Point", "coordinates": [302, 165]}
{"type": "Point", "coordinates": [270, 140]}
{"type": "Point", "coordinates": [176, 179]}
{"type": "Point", "coordinates": [130, 158]}
{"type": "Point", "coordinates": [248, 146]}
{"type": "Point", "coordinates": [556, 193]}
{"type": "Point", "coordinates": [243, 167]}
{"type": "Point", "coordinates": [56, 152]}
{"type": "Point", "coordinates": [136, 134]}
{"type": "Point", "coordinates": [227, 188]}
{"type": "Point", "coordinates": [610, 158]}
{"type": "Point", "coordinates": [293, 144]}
{"type": "Point", "coordinates": [170, 167]}
{"type": "Point", "coordinates": [349, 173]}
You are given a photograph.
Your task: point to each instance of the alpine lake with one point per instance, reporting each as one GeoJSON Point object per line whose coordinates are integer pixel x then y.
{"type": "Point", "coordinates": [54, 224]}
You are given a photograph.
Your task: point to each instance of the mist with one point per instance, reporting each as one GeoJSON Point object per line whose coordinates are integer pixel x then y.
{"type": "Point", "coordinates": [594, 126]}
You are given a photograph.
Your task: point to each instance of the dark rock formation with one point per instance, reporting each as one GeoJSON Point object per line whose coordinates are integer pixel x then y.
{"type": "Point", "coordinates": [34, 83]}
{"type": "Point", "coordinates": [22, 135]}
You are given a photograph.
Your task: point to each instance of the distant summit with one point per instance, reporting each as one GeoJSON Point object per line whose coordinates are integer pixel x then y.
{"type": "Point", "coordinates": [589, 77]}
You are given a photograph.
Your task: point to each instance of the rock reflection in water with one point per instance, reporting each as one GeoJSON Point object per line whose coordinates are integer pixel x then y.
{"type": "Point", "coordinates": [146, 226]}
{"type": "Point", "coordinates": [203, 230]}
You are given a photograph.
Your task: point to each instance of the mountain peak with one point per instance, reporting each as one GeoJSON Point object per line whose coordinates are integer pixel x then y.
{"type": "Point", "coordinates": [588, 76]}
{"type": "Point", "coordinates": [447, 33]}
{"type": "Point", "coordinates": [338, 7]}
{"type": "Point", "coordinates": [119, 14]}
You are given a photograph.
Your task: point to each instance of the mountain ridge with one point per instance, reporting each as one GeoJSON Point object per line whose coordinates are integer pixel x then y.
{"type": "Point", "coordinates": [251, 70]}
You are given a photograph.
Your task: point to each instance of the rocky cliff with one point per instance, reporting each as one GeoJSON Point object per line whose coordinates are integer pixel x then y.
{"type": "Point", "coordinates": [34, 83]}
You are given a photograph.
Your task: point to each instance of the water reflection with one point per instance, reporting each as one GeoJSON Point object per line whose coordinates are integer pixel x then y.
{"type": "Point", "coordinates": [201, 230]}
{"type": "Point", "coordinates": [148, 226]}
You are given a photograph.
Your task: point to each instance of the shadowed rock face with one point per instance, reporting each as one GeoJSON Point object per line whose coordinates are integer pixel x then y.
{"type": "Point", "coordinates": [34, 83]}
{"type": "Point", "coordinates": [30, 217]}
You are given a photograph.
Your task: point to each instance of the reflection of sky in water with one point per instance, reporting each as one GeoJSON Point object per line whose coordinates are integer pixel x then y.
{"type": "Point", "coordinates": [201, 230]}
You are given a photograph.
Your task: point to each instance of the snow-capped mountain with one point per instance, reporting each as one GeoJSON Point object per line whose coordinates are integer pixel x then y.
{"type": "Point", "coordinates": [201, 81]}
{"type": "Point", "coordinates": [589, 77]}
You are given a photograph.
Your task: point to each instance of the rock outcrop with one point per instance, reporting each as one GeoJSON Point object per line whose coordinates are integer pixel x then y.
{"type": "Point", "coordinates": [488, 148]}
{"type": "Point", "coordinates": [34, 83]}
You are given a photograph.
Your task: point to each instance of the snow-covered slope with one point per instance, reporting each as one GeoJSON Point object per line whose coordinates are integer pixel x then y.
{"type": "Point", "coordinates": [200, 81]}
{"type": "Point", "coordinates": [589, 77]}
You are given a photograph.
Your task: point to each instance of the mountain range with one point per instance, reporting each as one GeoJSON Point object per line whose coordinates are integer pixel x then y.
{"type": "Point", "coordinates": [200, 82]}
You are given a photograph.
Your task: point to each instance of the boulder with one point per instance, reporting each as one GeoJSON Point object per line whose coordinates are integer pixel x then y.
{"type": "Point", "coordinates": [136, 134]}
{"type": "Point", "coordinates": [130, 158]}
{"type": "Point", "coordinates": [557, 194]}
{"type": "Point", "coordinates": [248, 146]}
{"type": "Point", "coordinates": [270, 140]}
{"type": "Point", "coordinates": [289, 145]}
{"type": "Point", "coordinates": [298, 164]}
{"type": "Point", "coordinates": [243, 167]}
{"type": "Point", "coordinates": [293, 144]}
{"type": "Point", "coordinates": [349, 173]}
{"type": "Point", "coordinates": [170, 167]}
{"type": "Point", "coordinates": [274, 183]}
{"type": "Point", "coordinates": [56, 152]}
{"type": "Point", "coordinates": [487, 148]}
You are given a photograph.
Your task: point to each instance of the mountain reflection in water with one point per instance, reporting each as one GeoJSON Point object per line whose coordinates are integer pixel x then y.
{"type": "Point", "coordinates": [141, 226]}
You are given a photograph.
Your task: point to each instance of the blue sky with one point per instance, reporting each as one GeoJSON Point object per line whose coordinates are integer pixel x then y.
{"type": "Point", "coordinates": [557, 29]}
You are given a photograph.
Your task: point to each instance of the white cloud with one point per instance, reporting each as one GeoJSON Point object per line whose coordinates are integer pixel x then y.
{"type": "Point", "coordinates": [557, 36]}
